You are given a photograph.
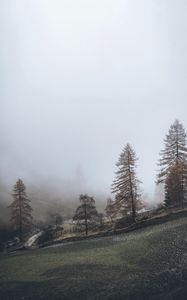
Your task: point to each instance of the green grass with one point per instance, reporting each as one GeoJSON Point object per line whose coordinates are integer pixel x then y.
{"type": "Point", "coordinates": [150, 263]}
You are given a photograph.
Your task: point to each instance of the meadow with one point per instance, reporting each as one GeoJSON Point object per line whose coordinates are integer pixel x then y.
{"type": "Point", "coordinates": [150, 263]}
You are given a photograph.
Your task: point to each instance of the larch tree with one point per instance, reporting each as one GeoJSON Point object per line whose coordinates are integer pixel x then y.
{"type": "Point", "coordinates": [173, 166]}
{"type": "Point", "coordinates": [126, 185]}
{"type": "Point", "coordinates": [21, 211]}
{"type": "Point", "coordinates": [86, 213]}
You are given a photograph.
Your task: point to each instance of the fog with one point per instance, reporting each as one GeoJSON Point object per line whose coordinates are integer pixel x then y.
{"type": "Point", "coordinates": [80, 79]}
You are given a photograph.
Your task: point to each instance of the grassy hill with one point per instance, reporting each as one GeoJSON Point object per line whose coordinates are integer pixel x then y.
{"type": "Point", "coordinates": [150, 263]}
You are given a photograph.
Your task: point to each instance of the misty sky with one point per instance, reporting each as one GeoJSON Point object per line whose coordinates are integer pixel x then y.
{"type": "Point", "coordinates": [79, 79]}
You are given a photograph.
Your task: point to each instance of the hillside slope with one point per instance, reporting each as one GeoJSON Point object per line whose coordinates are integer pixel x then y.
{"type": "Point", "coordinates": [150, 263]}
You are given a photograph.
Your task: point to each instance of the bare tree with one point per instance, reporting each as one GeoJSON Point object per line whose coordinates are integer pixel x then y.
{"type": "Point", "coordinates": [21, 216]}
{"type": "Point", "coordinates": [173, 163]}
{"type": "Point", "coordinates": [125, 185]}
{"type": "Point", "coordinates": [86, 212]}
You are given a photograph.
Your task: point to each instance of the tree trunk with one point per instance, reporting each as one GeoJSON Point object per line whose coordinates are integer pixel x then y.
{"type": "Point", "coordinates": [20, 220]}
{"type": "Point", "coordinates": [182, 192]}
{"type": "Point", "coordinates": [132, 195]}
{"type": "Point", "coordinates": [86, 220]}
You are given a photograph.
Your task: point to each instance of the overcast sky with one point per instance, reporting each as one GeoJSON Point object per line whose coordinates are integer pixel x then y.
{"type": "Point", "coordinates": [79, 79]}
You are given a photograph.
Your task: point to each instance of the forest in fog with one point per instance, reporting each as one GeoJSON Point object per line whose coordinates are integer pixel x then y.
{"type": "Point", "coordinates": [125, 206]}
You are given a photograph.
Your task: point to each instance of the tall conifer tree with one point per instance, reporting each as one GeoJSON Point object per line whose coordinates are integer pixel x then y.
{"type": "Point", "coordinates": [173, 163]}
{"type": "Point", "coordinates": [21, 216]}
{"type": "Point", "coordinates": [125, 185]}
